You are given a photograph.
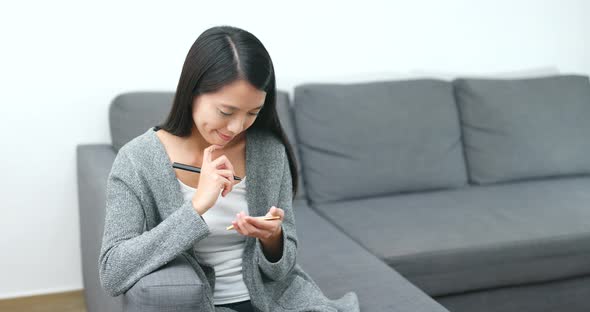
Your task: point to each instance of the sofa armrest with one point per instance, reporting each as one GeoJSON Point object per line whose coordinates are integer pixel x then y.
{"type": "Point", "coordinates": [174, 287]}
{"type": "Point", "coordinates": [339, 265]}
{"type": "Point", "coordinates": [94, 162]}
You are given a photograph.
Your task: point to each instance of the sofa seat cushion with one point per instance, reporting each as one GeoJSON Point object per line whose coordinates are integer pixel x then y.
{"type": "Point", "coordinates": [340, 265]}
{"type": "Point", "coordinates": [478, 237]}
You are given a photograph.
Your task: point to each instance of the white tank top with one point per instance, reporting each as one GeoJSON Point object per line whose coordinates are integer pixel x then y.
{"type": "Point", "coordinates": [223, 249]}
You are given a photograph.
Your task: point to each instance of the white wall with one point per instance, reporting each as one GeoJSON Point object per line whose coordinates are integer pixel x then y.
{"type": "Point", "coordinates": [62, 62]}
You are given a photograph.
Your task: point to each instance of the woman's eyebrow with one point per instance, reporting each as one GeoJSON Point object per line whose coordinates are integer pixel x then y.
{"type": "Point", "coordinates": [234, 108]}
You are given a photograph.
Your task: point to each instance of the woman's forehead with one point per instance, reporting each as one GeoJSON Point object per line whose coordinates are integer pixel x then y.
{"type": "Point", "coordinates": [240, 95]}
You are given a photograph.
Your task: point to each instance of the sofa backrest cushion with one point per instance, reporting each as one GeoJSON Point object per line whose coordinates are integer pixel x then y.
{"type": "Point", "coordinates": [132, 113]}
{"type": "Point", "coordinates": [368, 139]}
{"type": "Point", "coordinates": [517, 129]}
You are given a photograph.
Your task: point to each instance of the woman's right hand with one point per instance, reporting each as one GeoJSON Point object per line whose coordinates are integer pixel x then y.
{"type": "Point", "coordinates": [216, 176]}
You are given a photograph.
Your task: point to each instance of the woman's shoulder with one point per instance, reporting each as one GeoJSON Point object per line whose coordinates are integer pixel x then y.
{"type": "Point", "coordinates": [140, 144]}
{"type": "Point", "coordinates": [267, 142]}
{"type": "Point", "coordinates": [139, 160]}
{"type": "Point", "coordinates": [138, 150]}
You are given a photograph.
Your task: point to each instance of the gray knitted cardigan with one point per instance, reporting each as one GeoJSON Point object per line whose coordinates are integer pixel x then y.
{"type": "Point", "coordinates": [148, 224]}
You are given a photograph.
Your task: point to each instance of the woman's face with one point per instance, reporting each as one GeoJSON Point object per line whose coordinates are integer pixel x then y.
{"type": "Point", "coordinates": [223, 115]}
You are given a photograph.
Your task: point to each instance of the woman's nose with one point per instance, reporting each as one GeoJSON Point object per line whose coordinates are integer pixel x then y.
{"type": "Point", "coordinates": [236, 125]}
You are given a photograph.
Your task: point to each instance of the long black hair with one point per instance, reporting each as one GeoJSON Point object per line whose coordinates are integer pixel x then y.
{"type": "Point", "coordinates": [220, 56]}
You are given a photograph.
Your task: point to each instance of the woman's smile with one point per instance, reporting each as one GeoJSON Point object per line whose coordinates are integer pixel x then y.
{"type": "Point", "coordinates": [224, 137]}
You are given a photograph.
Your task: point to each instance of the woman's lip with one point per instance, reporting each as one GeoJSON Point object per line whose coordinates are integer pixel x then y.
{"type": "Point", "coordinates": [225, 137]}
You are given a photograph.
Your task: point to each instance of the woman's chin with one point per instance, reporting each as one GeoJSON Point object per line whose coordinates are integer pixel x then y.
{"type": "Point", "coordinates": [218, 142]}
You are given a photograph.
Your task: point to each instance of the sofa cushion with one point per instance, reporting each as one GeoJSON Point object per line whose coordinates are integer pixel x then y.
{"type": "Point", "coordinates": [476, 237]}
{"type": "Point", "coordinates": [525, 128]}
{"type": "Point", "coordinates": [342, 265]}
{"type": "Point", "coordinates": [131, 114]}
{"type": "Point", "coordinates": [366, 139]}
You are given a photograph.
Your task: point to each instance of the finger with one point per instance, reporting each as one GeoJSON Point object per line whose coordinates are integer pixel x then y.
{"type": "Point", "coordinates": [263, 225]}
{"type": "Point", "coordinates": [227, 187]}
{"type": "Point", "coordinates": [270, 212]}
{"type": "Point", "coordinates": [248, 228]}
{"type": "Point", "coordinates": [274, 211]}
{"type": "Point", "coordinates": [207, 154]}
{"type": "Point", "coordinates": [239, 224]}
{"type": "Point", "coordinates": [264, 229]}
{"type": "Point", "coordinates": [280, 212]}
{"type": "Point", "coordinates": [231, 168]}
{"type": "Point", "coordinates": [237, 227]}
{"type": "Point", "coordinates": [224, 161]}
{"type": "Point", "coordinates": [209, 151]}
{"type": "Point", "coordinates": [226, 174]}
{"type": "Point", "coordinates": [220, 161]}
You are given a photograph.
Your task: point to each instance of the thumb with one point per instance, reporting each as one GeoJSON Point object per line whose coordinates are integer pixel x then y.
{"type": "Point", "coordinates": [272, 211]}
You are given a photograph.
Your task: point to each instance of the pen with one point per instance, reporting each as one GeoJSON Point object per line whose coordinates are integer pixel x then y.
{"type": "Point", "coordinates": [194, 169]}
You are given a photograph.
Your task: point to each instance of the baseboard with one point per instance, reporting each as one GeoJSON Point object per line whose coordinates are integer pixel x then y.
{"type": "Point", "coordinates": [39, 292]}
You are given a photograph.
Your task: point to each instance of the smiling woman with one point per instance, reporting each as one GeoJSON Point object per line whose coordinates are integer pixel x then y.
{"type": "Point", "coordinates": [227, 85]}
{"type": "Point", "coordinates": [224, 120]}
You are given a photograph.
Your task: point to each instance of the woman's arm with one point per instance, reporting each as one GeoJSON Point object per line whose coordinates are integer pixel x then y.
{"type": "Point", "coordinates": [281, 252]}
{"type": "Point", "coordinates": [273, 246]}
{"type": "Point", "coordinates": [128, 252]}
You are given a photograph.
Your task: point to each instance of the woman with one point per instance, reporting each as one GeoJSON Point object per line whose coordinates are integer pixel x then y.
{"type": "Point", "coordinates": [223, 120]}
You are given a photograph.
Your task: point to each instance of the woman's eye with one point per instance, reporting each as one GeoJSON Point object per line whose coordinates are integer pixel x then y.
{"type": "Point", "coordinates": [228, 114]}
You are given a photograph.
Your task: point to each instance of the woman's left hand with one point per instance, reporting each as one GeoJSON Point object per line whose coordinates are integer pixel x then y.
{"type": "Point", "coordinates": [257, 227]}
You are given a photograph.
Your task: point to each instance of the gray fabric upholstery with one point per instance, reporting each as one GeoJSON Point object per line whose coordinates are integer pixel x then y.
{"type": "Point", "coordinates": [478, 237]}
{"type": "Point", "coordinates": [174, 287]}
{"type": "Point", "coordinates": [525, 128]}
{"type": "Point", "coordinates": [93, 166]}
{"type": "Point", "coordinates": [370, 139]}
{"type": "Point", "coordinates": [338, 265]}
{"type": "Point", "coordinates": [131, 113]}
{"type": "Point", "coordinates": [569, 295]}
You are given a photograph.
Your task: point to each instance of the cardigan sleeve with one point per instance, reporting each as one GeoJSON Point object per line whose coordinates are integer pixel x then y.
{"type": "Point", "coordinates": [129, 252]}
{"type": "Point", "coordinates": [281, 268]}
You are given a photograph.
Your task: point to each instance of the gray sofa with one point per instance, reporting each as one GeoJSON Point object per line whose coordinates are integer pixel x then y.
{"type": "Point", "coordinates": [420, 195]}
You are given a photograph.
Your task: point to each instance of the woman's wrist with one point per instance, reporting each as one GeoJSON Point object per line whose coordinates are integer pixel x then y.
{"type": "Point", "coordinates": [199, 208]}
{"type": "Point", "coordinates": [273, 246]}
